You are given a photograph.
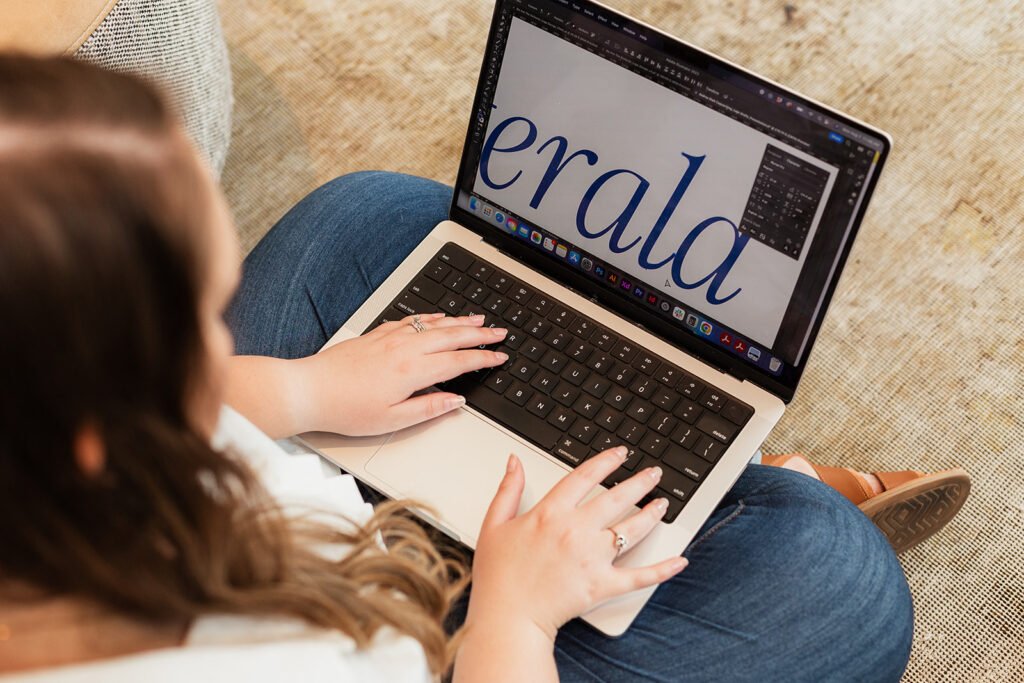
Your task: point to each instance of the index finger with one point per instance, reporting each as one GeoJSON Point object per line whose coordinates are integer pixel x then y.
{"type": "Point", "coordinates": [578, 483]}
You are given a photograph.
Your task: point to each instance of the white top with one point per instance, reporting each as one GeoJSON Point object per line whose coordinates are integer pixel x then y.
{"type": "Point", "coordinates": [231, 648]}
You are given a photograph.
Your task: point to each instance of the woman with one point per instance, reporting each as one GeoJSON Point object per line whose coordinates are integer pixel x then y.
{"type": "Point", "coordinates": [133, 549]}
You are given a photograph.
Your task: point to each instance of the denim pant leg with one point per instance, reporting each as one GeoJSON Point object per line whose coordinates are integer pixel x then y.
{"type": "Point", "coordinates": [788, 581]}
{"type": "Point", "coordinates": [322, 260]}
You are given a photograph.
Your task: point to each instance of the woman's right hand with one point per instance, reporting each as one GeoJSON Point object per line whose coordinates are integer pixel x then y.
{"type": "Point", "coordinates": [555, 561]}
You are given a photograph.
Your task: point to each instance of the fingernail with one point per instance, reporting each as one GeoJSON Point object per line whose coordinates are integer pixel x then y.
{"type": "Point", "coordinates": [478, 318]}
{"type": "Point", "coordinates": [679, 564]}
{"type": "Point", "coordinates": [622, 452]}
{"type": "Point", "coordinates": [454, 402]}
{"type": "Point", "coordinates": [511, 467]}
{"type": "Point", "coordinates": [499, 332]}
{"type": "Point", "coordinates": [654, 473]}
{"type": "Point", "coordinates": [434, 316]}
{"type": "Point", "coordinates": [661, 505]}
{"type": "Point", "coordinates": [502, 357]}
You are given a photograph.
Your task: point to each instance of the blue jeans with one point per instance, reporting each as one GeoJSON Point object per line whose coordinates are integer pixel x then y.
{"type": "Point", "coordinates": [788, 581]}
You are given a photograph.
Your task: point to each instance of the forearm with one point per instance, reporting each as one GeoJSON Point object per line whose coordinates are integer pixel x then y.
{"type": "Point", "coordinates": [271, 393]}
{"type": "Point", "coordinates": [502, 650]}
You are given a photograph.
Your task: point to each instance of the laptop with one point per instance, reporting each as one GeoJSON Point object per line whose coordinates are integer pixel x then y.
{"type": "Point", "coordinates": [660, 231]}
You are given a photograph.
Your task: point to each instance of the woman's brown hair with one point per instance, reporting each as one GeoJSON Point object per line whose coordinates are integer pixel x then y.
{"type": "Point", "coordinates": [102, 213]}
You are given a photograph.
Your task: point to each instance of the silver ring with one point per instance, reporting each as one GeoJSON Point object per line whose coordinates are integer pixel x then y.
{"type": "Point", "coordinates": [620, 542]}
{"type": "Point", "coordinates": [416, 324]}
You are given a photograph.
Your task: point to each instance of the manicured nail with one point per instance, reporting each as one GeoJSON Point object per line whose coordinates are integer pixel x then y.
{"type": "Point", "coordinates": [499, 332]}
{"type": "Point", "coordinates": [511, 463]}
{"type": "Point", "coordinates": [654, 473]}
{"type": "Point", "coordinates": [622, 452]}
{"type": "Point", "coordinates": [502, 357]}
{"type": "Point", "coordinates": [454, 402]}
{"type": "Point", "coordinates": [679, 564]}
{"type": "Point", "coordinates": [661, 505]}
{"type": "Point", "coordinates": [478, 318]}
{"type": "Point", "coordinates": [434, 316]}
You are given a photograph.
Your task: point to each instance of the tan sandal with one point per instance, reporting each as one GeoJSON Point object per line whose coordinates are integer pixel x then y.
{"type": "Point", "coordinates": [912, 506]}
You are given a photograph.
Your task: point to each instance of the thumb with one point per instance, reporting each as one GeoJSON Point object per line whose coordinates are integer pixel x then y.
{"type": "Point", "coordinates": [506, 500]}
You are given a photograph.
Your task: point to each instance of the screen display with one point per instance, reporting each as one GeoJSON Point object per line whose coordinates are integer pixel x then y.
{"type": "Point", "coordinates": [688, 188]}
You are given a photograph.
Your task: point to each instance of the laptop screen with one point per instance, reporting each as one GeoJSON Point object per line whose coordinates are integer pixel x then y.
{"type": "Point", "coordinates": [710, 204]}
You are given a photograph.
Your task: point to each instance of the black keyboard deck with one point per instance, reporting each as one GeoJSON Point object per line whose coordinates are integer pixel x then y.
{"type": "Point", "coordinates": [574, 388]}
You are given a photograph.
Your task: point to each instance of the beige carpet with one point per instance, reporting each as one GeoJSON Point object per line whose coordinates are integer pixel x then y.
{"type": "Point", "coordinates": [920, 361]}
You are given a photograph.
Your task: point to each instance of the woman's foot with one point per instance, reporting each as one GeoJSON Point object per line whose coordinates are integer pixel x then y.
{"type": "Point", "coordinates": [907, 506]}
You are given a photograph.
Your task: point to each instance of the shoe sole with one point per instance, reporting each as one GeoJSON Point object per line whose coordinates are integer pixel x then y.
{"type": "Point", "coordinates": [910, 513]}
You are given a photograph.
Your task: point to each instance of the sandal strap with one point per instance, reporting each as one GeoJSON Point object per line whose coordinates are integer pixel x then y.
{"type": "Point", "coordinates": [846, 481]}
{"type": "Point", "coordinates": [891, 480]}
{"type": "Point", "coordinates": [778, 460]}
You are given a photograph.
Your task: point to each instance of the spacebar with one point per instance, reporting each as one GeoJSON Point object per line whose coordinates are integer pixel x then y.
{"type": "Point", "coordinates": [512, 416]}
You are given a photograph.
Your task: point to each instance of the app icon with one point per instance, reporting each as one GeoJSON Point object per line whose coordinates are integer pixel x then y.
{"type": "Point", "coordinates": [599, 271]}
{"type": "Point", "coordinates": [549, 244]}
{"type": "Point", "coordinates": [754, 353]}
{"type": "Point", "coordinates": [652, 300]}
{"type": "Point", "coordinates": [774, 364]}
{"type": "Point", "coordinates": [586, 264]}
{"type": "Point", "coordinates": [613, 278]}
{"type": "Point", "coordinates": [512, 224]}
{"type": "Point", "coordinates": [524, 231]}
{"type": "Point", "coordinates": [638, 292]}
{"type": "Point", "coordinates": [560, 250]}
{"type": "Point", "coordinates": [473, 204]}
{"type": "Point", "coordinates": [499, 216]}
{"type": "Point", "coordinates": [626, 285]}
{"type": "Point", "coordinates": [726, 339]}
{"type": "Point", "coordinates": [666, 306]}
{"type": "Point", "coordinates": [574, 258]}
{"type": "Point", "coordinates": [488, 211]}
{"type": "Point", "coordinates": [705, 328]}
{"type": "Point", "coordinates": [740, 346]}
{"type": "Point", "coordinates": [535, 237]}
{"type": "Point", "coordinates": [692, 320]}
{"type": "Point", "coordinates": [678, 313]}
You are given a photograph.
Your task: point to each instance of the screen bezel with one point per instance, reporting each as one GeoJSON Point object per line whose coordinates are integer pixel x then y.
{"type": "Point", "coordinates": [784, 386]}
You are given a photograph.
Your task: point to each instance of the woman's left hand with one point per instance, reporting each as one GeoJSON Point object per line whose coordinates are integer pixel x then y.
{"type": "Point", "coordinates": [365, 385]}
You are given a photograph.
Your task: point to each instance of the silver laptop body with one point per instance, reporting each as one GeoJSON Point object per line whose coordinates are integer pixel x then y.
{"type": "Point", "coordinates": [582, 111]}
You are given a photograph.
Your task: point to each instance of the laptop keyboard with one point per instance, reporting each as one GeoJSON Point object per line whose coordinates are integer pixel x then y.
{"type": "Point", "coordinates": [574, 388]}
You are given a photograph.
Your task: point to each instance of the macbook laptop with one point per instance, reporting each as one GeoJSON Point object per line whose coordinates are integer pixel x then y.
{"type": "Point", "coordinates": [660, 231]}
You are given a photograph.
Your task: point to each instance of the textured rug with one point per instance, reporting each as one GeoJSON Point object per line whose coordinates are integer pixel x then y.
{"type": "Point", "coordinates": [919, 363]}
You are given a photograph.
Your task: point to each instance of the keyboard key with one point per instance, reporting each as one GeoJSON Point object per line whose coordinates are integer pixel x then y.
{"type": "Point", "coordinates": [608, 418]}
{"type": "Point", "coordinates": [457, 282]}
{"type": "Point", "coordinates": [708, 448]}
{"type": "Point", "coordinates": [604, 441]}
{"type": "Point", "coordinates": [566, 394]}
{"type": "Point", "coordinates": [599, 363]}
{"type": "Point", "coordinates": [455, 257]}
{"type": "Point", "coordinates": [476, 293]}
{"type": "Point", "coordinates": [596, 386]}
{"type": "Point", "coordinates": [514, 417]}
{"type": "Point", "coordinates": [618, 398]}
{"type": "Point", "coordinates": [540, 406]}
{"type": "Point", "coordinates": [519, 393]}
{"type": "Point", "coordinates": [428, 290]}
{"type": "Point", "coordinates": [625, 351]}
{"type": "Point", "coordinates": [631, 432]}
{"type": "Point", "coordinates": [554, 361]}
{"type": "Point", "coordinates": [690, 387]}
{"type": "Point", "coordinates": [496, 304]}
{"type": "Point", "coordinates": [646, 363]}
{"type": "Point", "coordinates": [451, 304]}
{"type": "Point", "coordinates": [582, 328]}
{"type": "Point", "coordinates": [603, 340]}
{"type": "Point", "coordinates": [523, 370]}
{"type": "Point", "coordinates": [411, 304]}
{"type": "Point", "coordinates": [514, 338]}
{"type": "Point", "coordinates": [686, 462]}
{"type": "Point", "coordinates": [677, 484]}
{"type": "Point", "coordinates": [687, 411]}
{"type": "Point", "coordinates": [622, 374]}
{"type": "Point", "coordinates": [586, 406]}
{"type": "Point", "coordinates": [685, 435]}
{"type": "Point", "coordinates": [653, 443]}
{"type": "Point", "coordinates": [617, 477]}
{"type": "Point", "coordinates": [668, 375]}
{"type": "Point", "coordinates": [561, 316]}
{"type": "Point", "coordinates": [499, 282]}
{"type": "Point", "coordinates": [640, 411]}
{"type": "Point", "coordinates": [715, 426]}
{"type": "Point", "coordinates": [737, 413]}
{"type": "Point", "coordinates": [517, 315]}
{"type": "Point", "coordinates": [712, 399]}
{"type": "Point", "coordinates": [498, 382]}
{"type": "Point", "coordinates": [580, 351]}
{"type": "Point", "coordinates": [532, 349]}
{"type": "Point", "coordinates": [521, 294]}
{"type": "Point", "coordinates": [575, 373]}
{"type": "Point", "coordinates": [562, 418]}
{"type": "Point", "coordinates": [480, 271]}
{"type": "Point", "coordinates": [583, 431]}
{"type": "Point", "coordinates": [571, 451]}
{"type": "Point", "coordinates": [540, 304]}
{"type": "Point", "coordinates": [538, 327]}
{"type": "Point", "coordinates": [663, 423]}
{"type": "Point", "coordinates": [643, 387]}
{"type": "Point", "coordinates": [664, 398]}
{"type": "Point", "coordinates": [557, 339]}
{"type": "Point", "coordinates": [544, 382]}
{"type": "Point", "coordinates": [675, 504]}
{"type": "Point", "coordinates": [437, 271]}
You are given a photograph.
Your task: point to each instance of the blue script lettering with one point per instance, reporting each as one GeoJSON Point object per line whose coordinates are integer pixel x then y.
{"type": "Point", "coordinates": [617, 227]}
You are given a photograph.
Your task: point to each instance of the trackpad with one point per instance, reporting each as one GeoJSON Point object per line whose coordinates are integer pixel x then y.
{"type": "Point", "coordinates": [454, 463]}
